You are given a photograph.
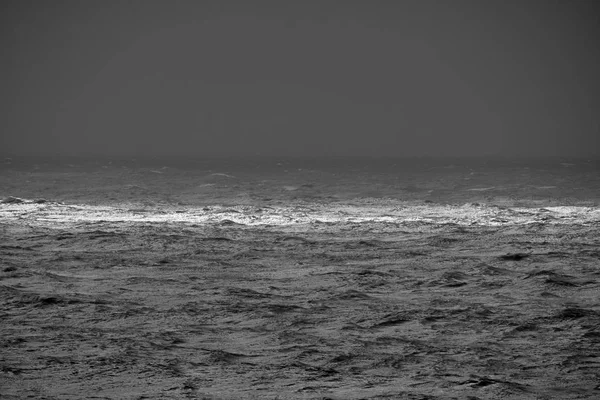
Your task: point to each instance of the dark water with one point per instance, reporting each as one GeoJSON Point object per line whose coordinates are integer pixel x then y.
{"type": "Point", "coordinates": [203, 181]}
{"type": "Point", "coordinates": [319, 296]}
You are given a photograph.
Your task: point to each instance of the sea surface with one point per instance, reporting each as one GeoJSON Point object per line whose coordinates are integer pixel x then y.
{"type": "Point", "coordinates": [268, 181]}
{"type": "Point", "coordinates": [304, 279]}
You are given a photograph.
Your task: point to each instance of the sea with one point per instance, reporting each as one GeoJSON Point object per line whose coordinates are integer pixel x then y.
{"type": "Point", "coordinates": [299, 278]}
{"type": "Point", "coordinates": [202, 181]}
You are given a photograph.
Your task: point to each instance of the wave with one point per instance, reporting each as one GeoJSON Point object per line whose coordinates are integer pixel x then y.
{"type": "Point", "coordinates": [398, 213]}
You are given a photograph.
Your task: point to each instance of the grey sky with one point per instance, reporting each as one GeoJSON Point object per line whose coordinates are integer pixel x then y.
{"type": "Point", "coordinates": [397, 78]}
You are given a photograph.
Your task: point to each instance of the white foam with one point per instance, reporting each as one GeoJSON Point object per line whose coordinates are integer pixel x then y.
{"type": "Point", "coordinates": [64, 216]}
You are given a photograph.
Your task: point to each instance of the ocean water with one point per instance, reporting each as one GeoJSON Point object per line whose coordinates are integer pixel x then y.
{"type": "Point", "coordinates": [279, 181]}
{"type": "Point", "coordinates": [299, 278]}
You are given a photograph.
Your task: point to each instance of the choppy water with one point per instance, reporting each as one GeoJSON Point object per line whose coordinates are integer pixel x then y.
{"type": "Point", "coordinates": [305, 279]}
{"type": "Point", "coordinates": [260, 181]}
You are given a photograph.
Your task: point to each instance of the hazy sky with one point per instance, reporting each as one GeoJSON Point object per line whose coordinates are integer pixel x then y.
{"type": "Point", "coordinates": [396, 78]}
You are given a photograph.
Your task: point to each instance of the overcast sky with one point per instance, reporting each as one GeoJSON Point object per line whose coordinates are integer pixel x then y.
{"type": "Point", "coordinates": [395, 78]}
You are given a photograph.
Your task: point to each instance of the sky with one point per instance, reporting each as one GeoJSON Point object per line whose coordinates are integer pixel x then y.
{"type": "Point", "coordinates": [300, 78]}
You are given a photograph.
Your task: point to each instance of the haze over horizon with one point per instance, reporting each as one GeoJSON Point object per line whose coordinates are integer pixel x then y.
{"type": "Point", "coordinates": [235, 78]}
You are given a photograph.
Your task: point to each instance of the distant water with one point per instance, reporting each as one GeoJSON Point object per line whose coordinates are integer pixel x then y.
{"type": "Point", "coordinates": [203, 181]}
